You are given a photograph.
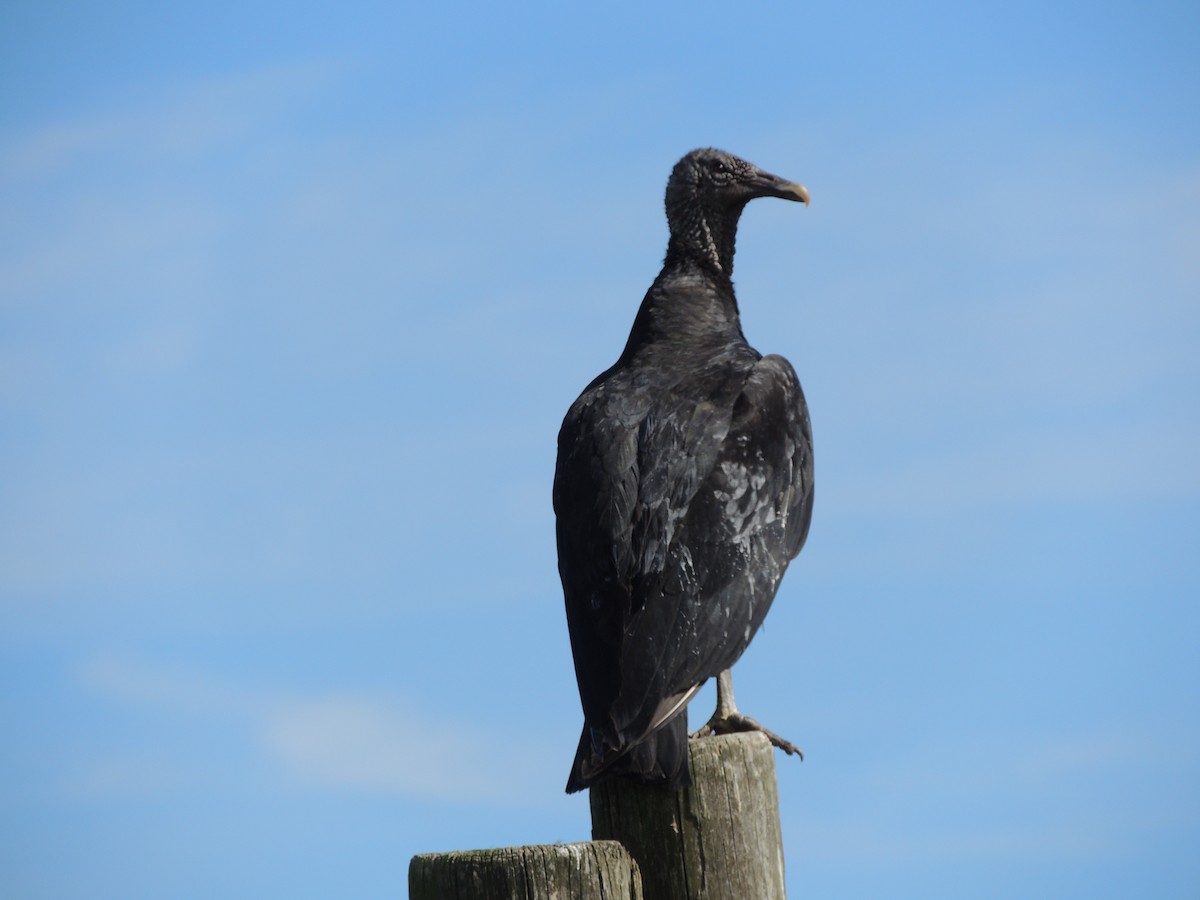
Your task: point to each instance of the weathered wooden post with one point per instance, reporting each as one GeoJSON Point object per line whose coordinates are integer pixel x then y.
{"type": "Point", "coordinates": [593, 870]}
{"type": "Point", "coordinates": [718, 839]}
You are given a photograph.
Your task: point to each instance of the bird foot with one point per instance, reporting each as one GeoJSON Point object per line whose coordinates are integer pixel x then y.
{"type": "Point", "coordinates": [736, 722]}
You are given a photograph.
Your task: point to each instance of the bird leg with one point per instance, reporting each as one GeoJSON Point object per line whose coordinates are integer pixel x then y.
{"type": "Point", "coordinates": [727, 720]}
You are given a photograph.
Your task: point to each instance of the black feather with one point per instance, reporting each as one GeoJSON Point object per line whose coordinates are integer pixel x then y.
{"type": "Point", "coordinates": [684, 487]}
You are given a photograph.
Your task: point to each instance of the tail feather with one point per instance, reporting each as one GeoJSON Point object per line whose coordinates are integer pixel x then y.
{"type": "Point", "coordinates": [659, 758]}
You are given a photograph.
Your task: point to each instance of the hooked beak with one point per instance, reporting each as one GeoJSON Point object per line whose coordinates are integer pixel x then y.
{"type": "Point", "coordinates": [768, 185]}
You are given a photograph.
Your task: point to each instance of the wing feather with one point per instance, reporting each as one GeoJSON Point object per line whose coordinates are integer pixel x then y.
{"type": "Point", "coordinates": [678, 511]}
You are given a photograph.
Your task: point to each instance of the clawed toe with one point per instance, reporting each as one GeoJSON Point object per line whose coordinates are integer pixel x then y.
{"type": "Point", "coordinates": [727, 720]}
{"type": "Point", "coordinates": [735, 723]}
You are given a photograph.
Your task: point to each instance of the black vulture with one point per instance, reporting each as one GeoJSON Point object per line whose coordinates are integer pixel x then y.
{"type": "Point", "coordinates": [683, 489]}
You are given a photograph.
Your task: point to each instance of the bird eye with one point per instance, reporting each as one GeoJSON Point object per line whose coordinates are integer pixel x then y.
{"type": "Point", "coordinates": [720, 169]}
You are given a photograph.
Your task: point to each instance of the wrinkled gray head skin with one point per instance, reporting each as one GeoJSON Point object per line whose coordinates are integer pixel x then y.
{"type": "Point", "coordinates": [706, 194]}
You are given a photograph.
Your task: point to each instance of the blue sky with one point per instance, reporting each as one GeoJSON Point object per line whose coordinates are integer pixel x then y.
{"type": "Point", "coordinates": [293, 299]}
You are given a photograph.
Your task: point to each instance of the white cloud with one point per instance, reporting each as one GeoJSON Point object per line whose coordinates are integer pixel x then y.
{"type": "Point", "coordinates": [1073, 755]}
{"type": "Point", "coordinates": [867, 845]}
{"type": "Point", "coordinates": [133, 203]}
{"type": "Point", "coordinates": [167, 688]}
{"type": "Point", "coordinates": [983, 800]}
{"type": "Point", "coordinates": [1114, 464]}
{"type": "Point", "coordinates": [49, 148]}
{"type": "Point", "coordinates": [1025, 335]}
{"type": "Point", "coordinates": [357, 742]}
{"type": "Point", "coordinates": [145, 774]}
{"type": "Point", "coordinates": [181, 121]}
{"type": "Point", "coordinates": [373, 744]}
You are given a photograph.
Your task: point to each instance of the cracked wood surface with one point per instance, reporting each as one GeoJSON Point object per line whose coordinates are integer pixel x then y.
{"type": "Point", "coordinates": [591, 870]}
{"type": "Point", "coordinates": [718, 839]}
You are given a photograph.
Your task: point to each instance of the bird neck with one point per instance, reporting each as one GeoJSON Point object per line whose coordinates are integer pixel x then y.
{"type": "Point", "coordinates": [706, 236]}
{"type": "Point", "coordinates": [692, 300]}
{"type": "Point", "coordinates": [688, 304]}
